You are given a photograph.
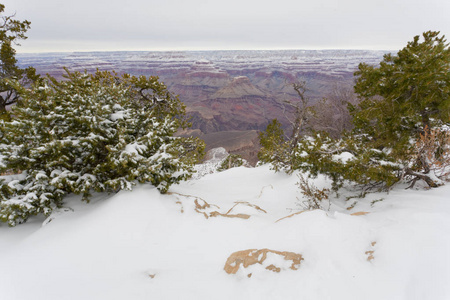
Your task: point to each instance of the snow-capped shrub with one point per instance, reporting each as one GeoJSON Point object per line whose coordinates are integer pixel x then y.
{"type": "Point", "coordinates": [99, 132]}
{"type": "Point", "coordinates": [232, 161]}
{"type": "Point", "coordinates": [274, 148]}
{"type": "Point", "coordinates": [398, 125]}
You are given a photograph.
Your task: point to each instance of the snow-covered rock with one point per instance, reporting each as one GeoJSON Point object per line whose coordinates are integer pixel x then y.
{"type": "Point", "coordinates": [213, 159]}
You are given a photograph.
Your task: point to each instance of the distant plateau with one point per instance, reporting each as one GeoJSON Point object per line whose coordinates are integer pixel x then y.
{"type": "Point", "coordinates": [230, 95]}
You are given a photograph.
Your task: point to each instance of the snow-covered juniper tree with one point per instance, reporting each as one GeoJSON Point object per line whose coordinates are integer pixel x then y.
{"type": "Point", "coordinates": [11, 31]}
{"type": "Point", "coordinates": [91, 132]}
{"type": "Point", "coordinates": [400, 124]}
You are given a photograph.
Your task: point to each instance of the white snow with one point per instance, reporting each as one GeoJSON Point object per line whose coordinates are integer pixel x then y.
{"type": "Point", "coordinates": [118, 115]}
{"type": "Point", "coordinates": [143, 245]}
{"type": "Point", "coordinates": [134, 148]}
{"type": "Point", "coordinates": [343, 157]}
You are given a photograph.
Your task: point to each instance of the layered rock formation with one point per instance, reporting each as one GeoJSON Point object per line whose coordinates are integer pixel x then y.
{"type": "Point", "coordinates": [199, 82]}
{"type": "Point", "coordinates": [224, 91]}
{"type": "Point", "coordinates": [237, 106]}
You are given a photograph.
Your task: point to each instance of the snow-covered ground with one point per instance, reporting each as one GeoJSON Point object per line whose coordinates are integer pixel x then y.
{"type": "Point", "coordinates": [143, 245]}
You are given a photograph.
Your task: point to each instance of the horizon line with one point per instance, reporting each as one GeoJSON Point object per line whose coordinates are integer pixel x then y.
{"type": "Point", "coordinates": [210, 50]}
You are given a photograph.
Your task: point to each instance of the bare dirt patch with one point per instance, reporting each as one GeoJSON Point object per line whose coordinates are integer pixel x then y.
{"type": "Point", "coordinates": [359, 213]}
{"type": "Point", "coordinates": [370, 253]}
{"type": "Point", "coordinates": [290, 216]}
{"type": "Point", "coordinates": [208, 210]}
{"type": "Point", "coordinates": [279, 260]}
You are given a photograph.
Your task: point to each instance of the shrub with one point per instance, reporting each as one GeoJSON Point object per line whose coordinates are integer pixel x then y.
{"type": "Point", "coordinates": [313, 196]}
{"type": "Point", "coordinates": [100, 132]}
{"type": "Point", "coordinates": [399, 124]}
{"type": "Point", "coordinates": [231, 161]}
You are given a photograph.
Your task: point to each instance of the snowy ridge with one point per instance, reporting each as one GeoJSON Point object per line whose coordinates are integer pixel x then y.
{"type": "Point", "coordinates": [331, 62]}
{"type": "Point", "coordinates": [142, 245]}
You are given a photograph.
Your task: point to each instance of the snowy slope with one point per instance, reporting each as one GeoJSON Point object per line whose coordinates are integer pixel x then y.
{"type": "Point", "coordinates": [143, 245]}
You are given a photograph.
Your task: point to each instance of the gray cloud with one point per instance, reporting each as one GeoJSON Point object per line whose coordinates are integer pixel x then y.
{"type": "Point", "coordinates": [59, 25]}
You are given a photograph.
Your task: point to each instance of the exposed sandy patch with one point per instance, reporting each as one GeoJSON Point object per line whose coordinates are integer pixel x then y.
{"type": "Point", "coordinates": [290, 216]}
{"type": "Point", "coordinates": [370, 253]}
{"type": "Point", "coordinates": [359, 213]}
{"type": "Point", "coordinates": [257, 257]}
{"type": "Point", "coordinates": [208, 210]}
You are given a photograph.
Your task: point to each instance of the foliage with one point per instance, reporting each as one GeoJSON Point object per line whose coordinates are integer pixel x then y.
{"type": "Point", "coordinates": [99, 132]}
{"type": "Point", "coordinates": [432, 150]}
{"type": "Point", "coordinates": [313, 195]}
{"type": "Point", "coordinates": [405, 94]}
{"type": "Point", "coordinates": [403, 99]}
{"type": "Point", "coordinates": [399, 124]}
{"type": "Point", "coordinates": [231, 161]}
{"type": "Point", "coordinates": [273, 146]}
{"type": "Point", "coordinates": [11, 30]}
{"type": "Point", "coordinates": [345, 160]}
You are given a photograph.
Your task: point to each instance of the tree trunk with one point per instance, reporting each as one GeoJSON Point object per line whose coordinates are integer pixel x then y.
{"type": "Point", "coordinates": [431, 183]}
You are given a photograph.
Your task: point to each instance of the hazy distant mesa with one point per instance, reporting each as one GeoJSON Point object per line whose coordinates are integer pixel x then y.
{"type": "Point", "coordinates": [227, 93]}
{"type": "Point", "coordinates": [209, 71]}
{"type": "Point", "coordinates": [327, 62]}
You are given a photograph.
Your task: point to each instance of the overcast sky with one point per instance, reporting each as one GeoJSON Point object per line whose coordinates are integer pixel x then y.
{"type": "Point", "coordinates": [97, 25]}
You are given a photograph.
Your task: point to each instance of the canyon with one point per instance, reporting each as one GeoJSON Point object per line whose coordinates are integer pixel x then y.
{"type": "Point", "coordinates": [229, 95]}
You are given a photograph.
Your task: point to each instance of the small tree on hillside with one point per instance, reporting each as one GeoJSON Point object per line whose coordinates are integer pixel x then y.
{"type": "Point", "coordinates": [87, 133]}
{"type": "Point", "coordinates": [232, 161]}
{"type": "Point", "coordinates": [404, 98]}
{"type": "Point", "coordinates": [403, 101]}
{"type": "Point", "coordinates": [406, 93]}
{"type": "Point", "coordinates": [274, 148]}
{"type": "Point", "coordinates": [11, 30]}
{"type": "Point", "coordinates": [278, 149]}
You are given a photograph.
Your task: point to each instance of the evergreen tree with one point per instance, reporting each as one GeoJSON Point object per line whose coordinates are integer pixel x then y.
{"type": "Point", "coordinates": [100, 132]}
{"type": "Point", "coordinates": [11, 30]}
{"type": "Point", "coordinates": [400, 124]}
{"type": "Point", "coordinates": [232, 161]}
{"type": "Point", "coordinates": [403, 99]}
{"type": "Point", "coordinates": [274, 147]}
{"type": "Point", "coordinates": [406, 94]}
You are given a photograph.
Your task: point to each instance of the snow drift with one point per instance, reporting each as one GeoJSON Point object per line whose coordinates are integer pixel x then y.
{"type": "Point", "coordinates": [144, 245]}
